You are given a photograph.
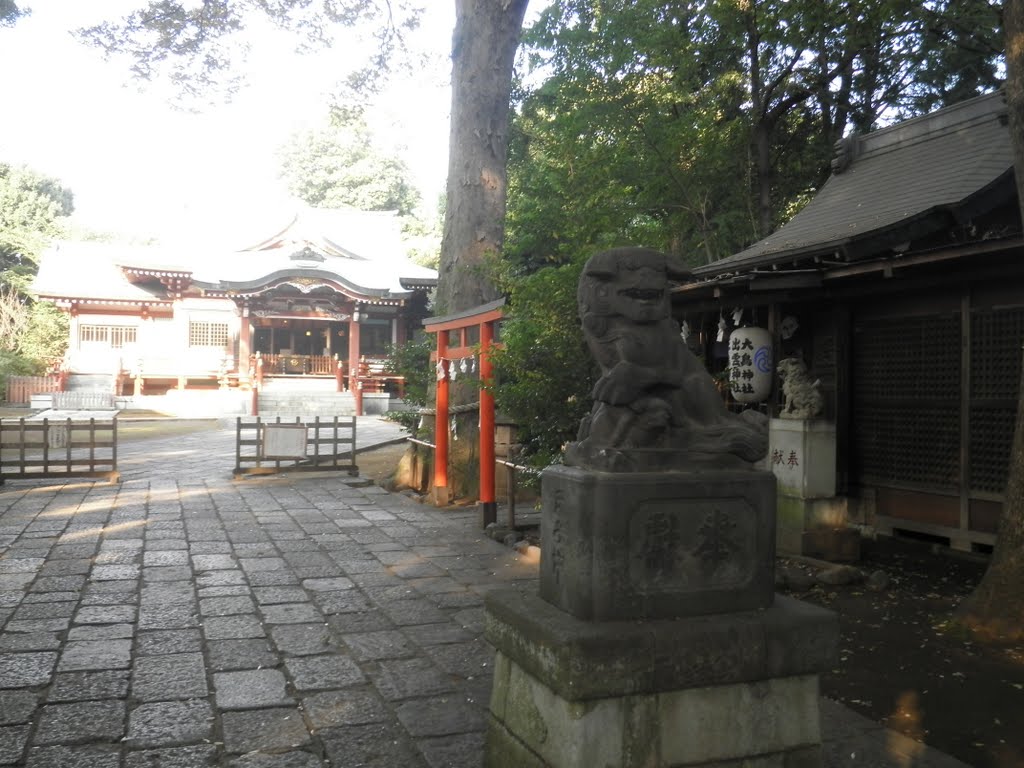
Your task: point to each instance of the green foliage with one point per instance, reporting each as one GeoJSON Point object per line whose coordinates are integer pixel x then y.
{"type": "Point", "coordinates": [411, 360]}
{"type": "Point", "coordinates": [544, 373]}
{"type": "Point", "coordinates": [663, 122]}
{"type": "Point", "coordinates": [338, 165]}
{"type": "Point", "coordinates": [32, 209]}
{"type": "Point", "coordinates": [17, 364]}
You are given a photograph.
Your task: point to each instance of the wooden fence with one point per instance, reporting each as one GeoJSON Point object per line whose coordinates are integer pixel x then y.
{"type": "Point", "coordinates": [21, 388]}
{"type": "Point", "coordinates": [272, 447]}
{"type": "Point", "coordinates": [58, 448]}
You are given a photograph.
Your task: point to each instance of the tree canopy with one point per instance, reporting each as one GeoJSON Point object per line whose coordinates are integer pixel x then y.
{"type": "Point", "coordinates": [33, 208]}
{"type": "Point", "coordinates": [338, 165]}
{"type": "Point", "coordinates": [699, 128]}
{"type": "Point", "coordinates": [198, 46]}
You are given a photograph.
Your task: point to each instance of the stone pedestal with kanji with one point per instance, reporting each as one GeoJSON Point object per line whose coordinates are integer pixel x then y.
{"type": "Point", "coordinates": [811, 518]}
{"type": "Point", "coordinates": [656, 638]}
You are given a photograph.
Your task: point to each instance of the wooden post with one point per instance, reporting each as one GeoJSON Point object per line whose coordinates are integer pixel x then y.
{"type": "Point", "coordinates": [440, 492]}
{"type": "Point", "coordinates": [244, 346]}
{"type": "Point", "coordinates": [339, 374]}
{"type": "Point", "coordinates": [353, 361]}
{"type": "Point", "coordinates": [488, 503]}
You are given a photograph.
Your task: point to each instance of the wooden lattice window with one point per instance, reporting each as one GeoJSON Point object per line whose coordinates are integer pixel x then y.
{"type": "Point", "coordinates": [996, 337]}
{"type": "Point", "coordinates": [205, 333]}
{"type": "Point", "coordinates": [113, 336]}
{"type": "Point", "coordinates": [906, 401]}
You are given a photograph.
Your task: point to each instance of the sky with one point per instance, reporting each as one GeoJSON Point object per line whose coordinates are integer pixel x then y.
{"type": "Point", "coordinates": [138, 165]}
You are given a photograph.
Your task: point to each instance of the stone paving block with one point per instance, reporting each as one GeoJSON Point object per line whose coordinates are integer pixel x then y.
{"type": "Point", "coordinates": [406, 612]}
{"type": "Point", "coordinates": [81, 722]}
{"type": "Point", "coordinates": [373, 646]}
{"type": "Point", "coordinates": [33, 598]}
{"type": "Point", "coordinates": [22, 565]}
{"type": "Point", "coordinates": [291, 759]}
{"type": "Point", "coordinates": [226, 655]}
{"type": "Point", "coordinates": [168, 616]}
{"type": "Point", "coordinates": [166, 573]}
{"type": "Point", "coordinates": [369, 621]}
{"type": "Point", "coordinates": [173, 676]}
{"type": "Point", "coordinates": [222, 578]}
{"type": "Point", "coordinates": [115, 572]}
{"type": "Point", "coordinates": [317, 673]}
{"type": "Point", "coordinates": [85, 686]}
{"type": "Point", "coordinates": [404, 678]}
{"type": "Point", "coordinates": [45, 610]}
{"type": "Point", "coordinates": [274, 595]}
{"type": "Point", "coordinates": [470, 660]}
{"type": "Point", "coordinates": [102, 632]}
{"type": "Point", "coordinates": [17, 706]}
{"type": "Point", "coordinates": [163, 641]}
{"type": "Point", "coordinates": [253, 565]}
{"type": "Point", "coordinates": [458, 600]}
{"type": "Point", "coordinates": [436, 634]}
{"type": "Point", "coordinates": [29, 641]}
{"type": "Point", "coordinates": [213, 562]}
{"type": "Point", "coordinates": [250, 689]}
{"type": "Point", "coordinates": [24, 670]}
{"type": "Point", "coordinates": [291, 613]}
{"type": "Point", "coordinates": [334, 584]}
{"type": "Point", "coordinates": [232, 628]}
{"type": "Point", "coordinates": [273, 578]}
{"type": "Point", "coordinates": [378, 745]}
{"type": "Point", "coordinates": [341, 602]}
{"type": "Point", "coordinates": [269, 730]}
{"type": "Point", "coordinates": [37, 625]}
{"type": "Point", "coordinates": [74, 757]}
{"type": "Point", "coordinates": [105, 614]}
{"type": "Point", "coordinates": [95, 654]}
{"type": "Point", "coordinates": [390, 593]}
{"type": "Point", "coordinates": [441, 716]}
{"type": "Point", "coordinates": [459, 751]}
{"type": "Point", "coordinates": [164, 557]}
{"type": "Point", "coordinates": [304, 639]}
{"type": "Point", "coordinates": [226, 606]}
{"type": "Point", "coordinates": [204, 756]}
{"type": "Point", "coordinates": [105, 597]}
{"type": "Point", "coordinates": [170, 723]}
{"type": "Point", "coordinates": [230, 590]}
{"type": "Point", "coordinates": [435, 585]}
{"type": "Point", "coordinates": [12, 581]}
{"type": "Point", "coordinates": [13, 740]}
{"type": "Point", "coordinates": [353, 706]}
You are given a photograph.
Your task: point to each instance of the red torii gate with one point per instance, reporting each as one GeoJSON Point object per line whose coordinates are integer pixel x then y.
{"type": "Point", "coordinates": [460, 336]}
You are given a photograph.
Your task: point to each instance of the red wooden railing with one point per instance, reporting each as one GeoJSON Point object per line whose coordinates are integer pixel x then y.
{"type": "Point", "coordinates": [21, 388]}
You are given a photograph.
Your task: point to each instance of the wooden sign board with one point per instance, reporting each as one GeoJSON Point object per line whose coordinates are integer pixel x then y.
{"type": "Point", "coordinates": [57, 435]}
{"type": "Point", "coordinates": [284, 441]}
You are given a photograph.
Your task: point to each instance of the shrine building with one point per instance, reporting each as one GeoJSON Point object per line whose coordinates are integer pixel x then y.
{"type": "Point", "coordinates": [322, 297]}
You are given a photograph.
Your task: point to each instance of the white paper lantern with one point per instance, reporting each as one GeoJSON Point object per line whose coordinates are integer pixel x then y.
{"type": "Point", "coordinates": [750, 365]}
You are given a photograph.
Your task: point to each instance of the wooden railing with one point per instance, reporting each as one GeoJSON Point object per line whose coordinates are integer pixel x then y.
{"type": "Point", "coordinates": [297, 365]}
{"type": "Point", "coordinates": [21, 388]}
{"type": "Point", "coordinates": [273, 447]}
{"type": "Point", "coordinates": [58, 448]}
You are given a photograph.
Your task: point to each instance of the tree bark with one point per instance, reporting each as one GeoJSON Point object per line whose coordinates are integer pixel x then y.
{"type": "Point", "coordinates": [483, 54]}
{"type": "Point", "coordinates": [996, 607]}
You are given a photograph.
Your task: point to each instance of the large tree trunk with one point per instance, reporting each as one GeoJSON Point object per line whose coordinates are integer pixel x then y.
{"type": "Point", "coordinates": [996, 607]}
{"type": "Point", "coordinates": [483, 54]}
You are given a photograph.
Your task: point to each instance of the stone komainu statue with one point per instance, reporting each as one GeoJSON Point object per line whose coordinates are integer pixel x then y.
{"type": "Point", "coordinates": [655, 406]}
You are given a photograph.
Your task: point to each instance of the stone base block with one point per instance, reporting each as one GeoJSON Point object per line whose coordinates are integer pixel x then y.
{"type": "Point", "coordinates": [653, 545]}
{"type": "Point", "coordinates": [724, 690]}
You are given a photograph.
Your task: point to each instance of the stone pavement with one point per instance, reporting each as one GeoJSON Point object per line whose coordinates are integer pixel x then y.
{"type": "Point", "coordinates": [182, 619]}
